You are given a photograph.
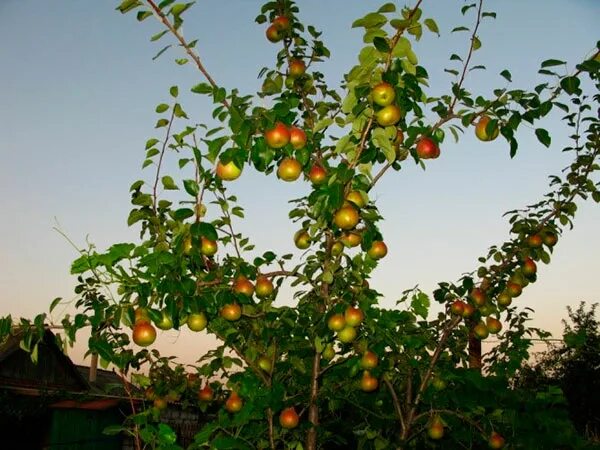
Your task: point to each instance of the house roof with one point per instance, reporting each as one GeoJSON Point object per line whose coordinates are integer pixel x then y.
{"type": "Point", "coordinates": [54, 370]}
{"type": "Point", "coordinates": [56, 374]}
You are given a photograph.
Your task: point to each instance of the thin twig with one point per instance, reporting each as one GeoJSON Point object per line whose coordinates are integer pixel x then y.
{"type": "Point", "coordinates": [191, 53]}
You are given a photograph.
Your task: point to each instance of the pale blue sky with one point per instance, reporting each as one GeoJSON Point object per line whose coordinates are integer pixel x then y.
{"type": "Point", "coordinates": [77, 95]}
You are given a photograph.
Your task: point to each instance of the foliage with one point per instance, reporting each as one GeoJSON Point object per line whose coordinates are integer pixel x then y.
{"type": "Point", "coordinates": [190, 260]}
{"type": "Point", "coordinates": [574, 367]}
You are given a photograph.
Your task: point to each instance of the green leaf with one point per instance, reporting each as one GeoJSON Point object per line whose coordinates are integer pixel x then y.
{"type": "Point", "coordinates": [465, 8]}
{"type": "Point", "coordinates": [387, 8]}
{"type": "Point", "coordinates": [54, 304]}
{"type": "Point", "coordinates": [143, 15]}
{"type": "Point", "coordinates": [179, 8]}
{"type": "Point", "coordinates": [179, 112]}
{"type": "Point", "coordinates": [543, 136]}
{"type": "Point", "coordinates": [420, 304]}
{"type": "Point", "coordinates": [552, 62]}
{"type": "Point", "coordinates": [408, 67]}
{"type": "Point", "coordinates": [157, 36]}
{"type": "Point", "coordinates": [322, 124]}
{"type": "Point", "coordinates": [204, 229]}
{"type": "Point", "coordinates": [371, 20]}
{"type": "Point", "coordinates": [164, 49]}
{"type": "Point", "coordinates": [112, 430]}
{"type": "Point", "coordinates": [168, 183]}
{"type": "Point", "coordinates": [182, 214]}
{"type": "Point", "coordinates": [454, 30]}
{"type": "Point", "coordinates": [432, 26]}
{"type": "Point", "coordinates": [401, 48]}
{"type": "Point", "coordinates": [507, 75]}
{"type": "Point", "coordinates": [382, 142]}
{"type": "Point", "coordinates": [174, 91]}
{"type": "Point", "coordinates": [191, 187]}
{"type": "Point", "coordinates": [489, 14]}
{"type": "Point", "coordinates": [162, 108]}
{"type": "Point", "coordinates": [128, 5]}
{"type": "Point", "coordinates": [570, 85]}
{"type": "Point", "coordinates": [161, 123]}
{"type": "Point", "coordinates": [476, 43]}
{"type": "Point", "coordinates": [202, 88]}
{"type": "Point", "coordinates": [381, 44]}
{"type": "Point", "coordinates": [166, 433]}
{"type": "Point", "coordinates": [151, 142]}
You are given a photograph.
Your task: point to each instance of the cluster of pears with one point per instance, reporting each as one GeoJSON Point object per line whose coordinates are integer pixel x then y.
{"type": "Point", "coordinates": [263, 289]}
{"type": "Point", "coordinates": [279, 28]}
{"type": "Point", "coordinates": [523, 274]}
{"type": "Point", "coordinates": [289, 168]}
{"type": "Point", "coordinates": [389, 113]}
{"type": "Point", "coordinates": [436, 427]}
{"type": "Point", "coordinates": [288, 418]}
{"type": "Point", "coordinates": [345, 325]}
{"type": "Point", "coordinates": [346, 219]}
{"type": "Point", "coordinates": [144, 333]}
{"type": "Point", "coordinates": [233, 403]}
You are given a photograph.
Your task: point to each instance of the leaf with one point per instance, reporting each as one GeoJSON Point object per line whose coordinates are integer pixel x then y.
{"type": "Point", "coordinates": [432, 26]}
{"type": "Point", "coordinates": [476, 43]}
{"type": "Point", "coordinates": [143, 15]}
{"type": "Point", "coordinates": [191, 187]}
{"type": "Point", "coordinates": [128, 5]}
{"type": "Point", "coordinates": [465, 8]}
{"type": "Point", "coordinates": [371, 20]}
{"type": "Point", "coordinates": [552, 62]}
{"type": "Point", "coordinates": [387, 8]}
{"type": "Point", "coordinates": [420, 304]}
{"type": "Point", "coordinates": [204, 229]}
{"type": "Point", "coordinates": [179, 112]}
{"type": "Point", "coordinates": [489, 14]}
{"type": "Point", "coordinates": [164, 49]}
{"type": "Point", "coordinates": [161, 123]}
{"type": "Point", "coordinates": [381, 44]}
{"type": "Point", "coordinates": [382, 142]}
{"type": "Point", "coordinates": [174, 91]}
{"type": "Point", "coordinates": [168, 183]}
{"type": "Point", "coordinates": [157, 36]}
{"type": "Point", "coordinates": [202, 88]}
{"type": "Point", "coordinates": [454, 30]}
{"type": "Point", "coordinates": [543, 136]}
{"type": "Point", "coordinates": [401, 48]}
{"type": "Point", "coordinates": [322, 124]}
{"type": "Point", "coordinates": [507, 75]}
{"type": "Point", "coordinates": [165, 432]}
{"type": "Point", "coordinates": [161, 109]}
{"type": "Point", "coordinates": [55, 303]}
{"type": "Point", "coordinates": [112, 430]}
{"type": "Point", "coordinates": [180, 8]}
{"type": "Point", "coordinates": [182, 214]}
{"type": "Point", "coordinates": [570, 84]}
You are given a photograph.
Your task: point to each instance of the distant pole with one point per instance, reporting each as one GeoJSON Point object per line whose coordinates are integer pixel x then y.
{"type": "Point", "coordinates": [93, 368]}
{"type": "Point", "coordinates": [474, 349]}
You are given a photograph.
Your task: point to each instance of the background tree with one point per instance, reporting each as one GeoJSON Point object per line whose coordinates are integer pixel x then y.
{"type": "Point", "coordinates": [574, 366]}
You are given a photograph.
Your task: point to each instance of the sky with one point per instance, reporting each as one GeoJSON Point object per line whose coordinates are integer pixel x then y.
{"type": "Point", "coordinates": [78, 88]}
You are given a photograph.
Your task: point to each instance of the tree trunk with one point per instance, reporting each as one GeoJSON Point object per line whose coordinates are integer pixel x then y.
{"type": "Point", "coordinates": [313, 408]}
